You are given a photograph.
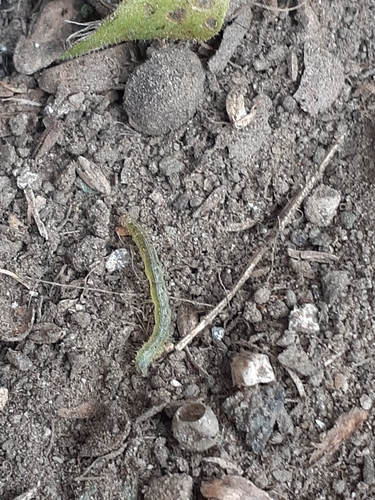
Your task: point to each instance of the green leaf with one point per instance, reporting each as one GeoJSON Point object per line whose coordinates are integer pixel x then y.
{"type": "Point", "coordinates": [149, 19]}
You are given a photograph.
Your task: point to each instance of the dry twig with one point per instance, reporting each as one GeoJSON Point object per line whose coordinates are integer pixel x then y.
{"type": "Point", "coordinates": [109, 456]}
{"type": "Point", "coordinates": [279, 9]}
{"type": "Point", "coordinates": [283, 220]}
{"type": "Point", "coordinates": [343, 429]}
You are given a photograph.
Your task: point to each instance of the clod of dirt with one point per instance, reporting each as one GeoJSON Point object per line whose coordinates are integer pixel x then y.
{"type": "Point", "coordinates": [262, 296]}
{"type": "Point", "coordinates": [295, 358]}
{"type": "Point", "coordinates": [173, 487]}
{"type": "Point", "coordinates": [19, 360]}
{"type": "Point", "coordinates": [88, 251]}
{"type": "Point", "coordinates": [46, 40]}
{"type": "Point", "coordinates": [233, 35]}
{"type": "Point", "coordinates": [322, 80]}
{"type": "Point", "coordinates": [255, 412]}
{"type": "Point", "coordinates": [96, 72]}
{"type": "Point", "coordinates": [163, 93]}
{"type": "Point", "coordinates": [244, 144]}
{"type": "Point", "coordinates": [195, 427]}
{"type": "Point", "coordinates": [250, 369]}
{"type": "Point", "coordinates": [335, 284]}
{"type": "Point", "coordinates": [251, 313]}
{"type": "Point", "coordinates": [46, 333]}
{"type": "Point", "coordinates": [320, 207]}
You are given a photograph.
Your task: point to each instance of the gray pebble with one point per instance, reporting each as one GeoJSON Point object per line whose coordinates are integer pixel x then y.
{"type": "Point", "coordinates": [299, 238]}
{"type": "Point", "coordinates": [7, 193]}
{"type": "Point", "coordinates": [3, 397]}
{"type": "Point", "coordinates": [319, 238]}
{"type": "Point", "coordinates": [368, 470]}
{"type": "Point", "coordinates": [348, 219]}
{"type": "Point", "coordinates": [289, 104]}
{"type": "Point", "coordinates": [319, 155]}
{"type": "Point", "coordinates": [321, 206]}
{"type": "Point", "coordinates": [18, 124]}
{"type": "Point", "coordinates": [83, 319]}
{"type": "Point", "coordinates": [277, 309]}
{"type": "Point", "coordinates": [19, 360]}
{"type": "Point", "coordinates": [296, 359]}
{"type": "Point", "coordinates": [290, 298]}
{"type": "Point", "coordinates": [164, 92]}
{"type": "Point", "coordinates": [170, 165]}
{"type": "Point", "coordinates": [252, 314]}
{"type": "Point", "coordinates": [262, 296]}
{"type": "Point", "coordinates": [340, 486]}
{"type": "Point", "coordinates": [287, 339]}
{"type": "Point", "coordinates": [181, 203]}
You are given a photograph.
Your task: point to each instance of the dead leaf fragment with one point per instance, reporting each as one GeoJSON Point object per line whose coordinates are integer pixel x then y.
{"type": "Point", "coordinates": [17, 323]}
{"type": "Point", "coordinates": [85, 410]}
{"type": "Point", "coordinates": [344, 428]}
{"type": "Point", "coordinates": [232, 488]}
{"type": "Point", "coordinates": [46, 333]}
{"type": "Point", "coordinates": [92, 176]}
{"type": "Point", "coordinates": [235, 106]}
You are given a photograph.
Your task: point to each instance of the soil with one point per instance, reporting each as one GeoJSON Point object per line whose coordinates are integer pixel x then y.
{"type": "Point", "coordinates": [206, 194]}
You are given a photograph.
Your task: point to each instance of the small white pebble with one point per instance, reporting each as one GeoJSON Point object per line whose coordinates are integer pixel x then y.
{"type": "Point", "coordinates": [217, 332]}
{"type": "Point", "coordinates": [320, 424]}
{"type": "Point", "coordinates": [175, 383]}
{"type": "Point", "coordinates": [117, 260]}
{"type": "Point", "coordinates": [366, 402]}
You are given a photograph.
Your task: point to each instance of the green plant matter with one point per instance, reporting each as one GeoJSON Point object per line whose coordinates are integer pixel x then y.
{"type": "Point", "coordinates": [148, 19]}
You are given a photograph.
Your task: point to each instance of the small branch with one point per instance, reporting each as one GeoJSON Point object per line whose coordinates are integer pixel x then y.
{"type": "Point", "coordinates": [109, 456]}
{"type": "Point", "coordinates": [278, 9]}
{"type": "Point", "coordinates": [283, 220]}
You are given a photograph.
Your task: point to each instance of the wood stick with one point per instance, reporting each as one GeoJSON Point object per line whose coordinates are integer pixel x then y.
{"type": "Point", "coordinates": [283, 220]}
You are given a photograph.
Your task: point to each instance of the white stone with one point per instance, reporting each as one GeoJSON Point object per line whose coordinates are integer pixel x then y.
{"type": "Point", "coordinates": [251, 369]}
{"type": "Point", "coordinates": [304, 319]}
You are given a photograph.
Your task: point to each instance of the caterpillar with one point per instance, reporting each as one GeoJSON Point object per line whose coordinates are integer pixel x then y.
{"type": "Point", "coordinates": [154, 347]}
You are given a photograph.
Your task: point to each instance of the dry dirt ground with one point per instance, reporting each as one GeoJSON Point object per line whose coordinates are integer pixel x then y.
{"type": "Point", "coordinates": [206, 193]}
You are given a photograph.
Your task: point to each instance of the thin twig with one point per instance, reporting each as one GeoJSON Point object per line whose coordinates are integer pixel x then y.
{"type": "Point", "coordinates": [279, 9]}
{"type": "Point", "coordinates": [15, 276]}
{"type": "Point", "coordinates": [283, 220]}
{"type": "Point", "coordinates": [108, 456]}
{"type": "Point", "coordinates": [151, 412]}
{"type": "Point", "coordinates": [87, 288]}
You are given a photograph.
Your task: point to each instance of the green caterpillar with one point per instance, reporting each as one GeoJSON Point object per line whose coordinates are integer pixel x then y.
{"type": "Point", "coordinates": [154, 347]}
{"type": "Point", "coordinates": [148, 19]}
